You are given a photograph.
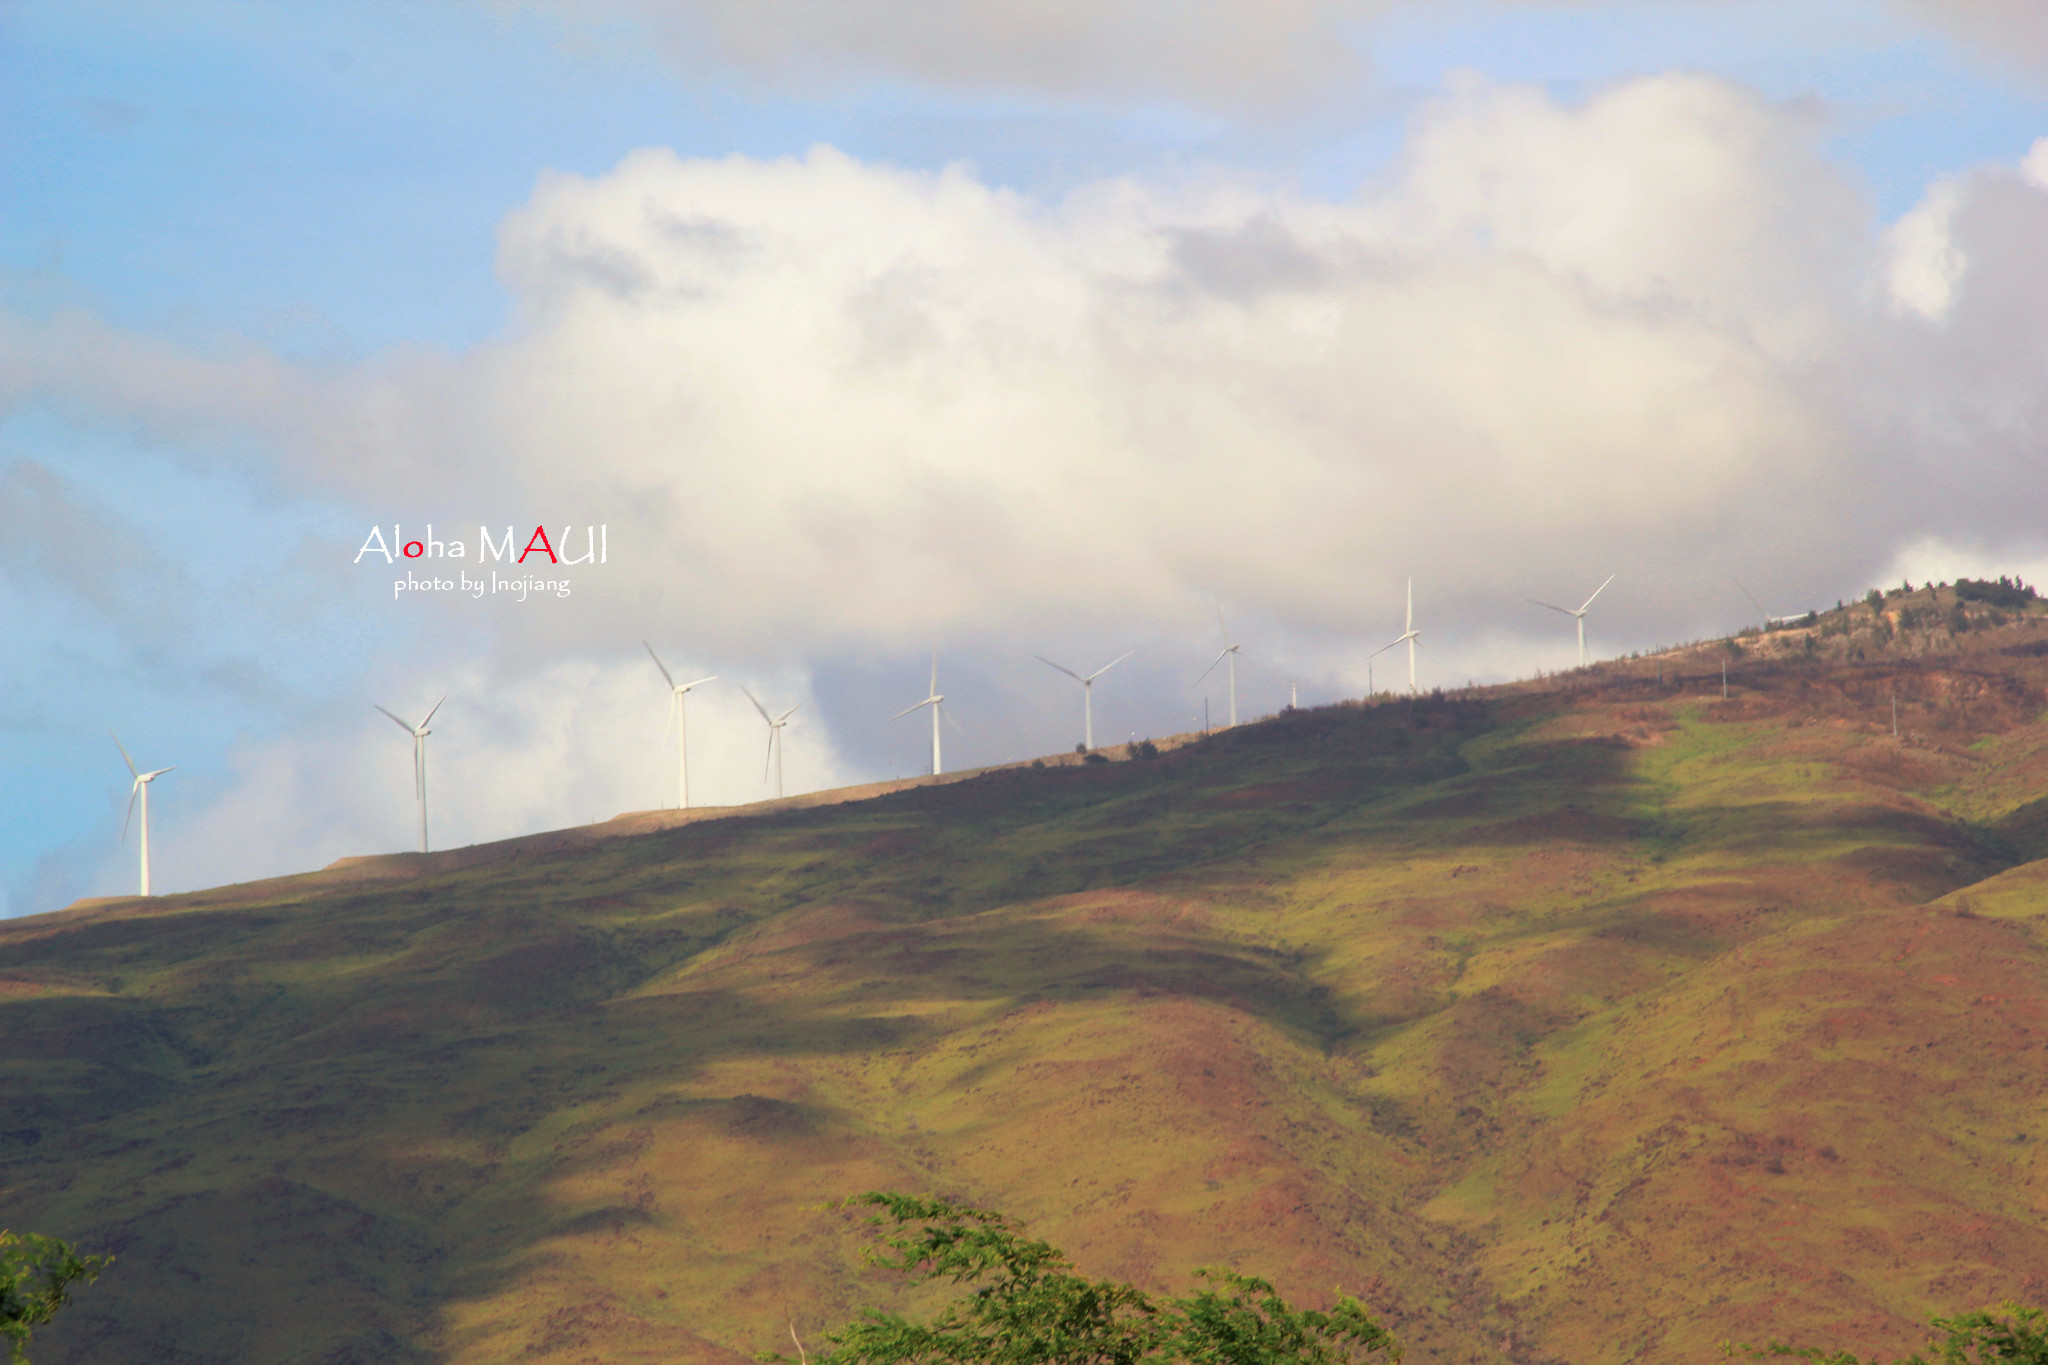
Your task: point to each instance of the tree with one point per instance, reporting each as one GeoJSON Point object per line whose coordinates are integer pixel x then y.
{"type": "Point", "coordinates": [36, 1275]}
{"type": "Point", "coordinates": [1030, 1307]}
{"type": "Point", "coordinates": [2004, 1334]}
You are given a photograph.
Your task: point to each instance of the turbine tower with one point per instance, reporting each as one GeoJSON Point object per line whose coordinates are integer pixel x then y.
{"type": "Point", "coordinates": [1230, 652]}
{"type": "Point", "coordinates": [1408, 636]}
{"type": "Point", "coordinates": [933, 699]}
{"type": "Point", "coordinates": [140, 789]}
{"type": "Point", "coordinates": [676, 692]}
{"type": "Point", "coordinates": [1088, 690]}
{"type": "Point", "coordinates": [419, 735]}
{"type": "Point", "coordinates": [1579, 616]}
{"type": "Point", "coordinates": [775, 724]}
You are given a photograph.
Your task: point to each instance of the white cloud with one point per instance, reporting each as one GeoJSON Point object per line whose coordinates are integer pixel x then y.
{"type": "Point", "coordinates": [1932, 560]}
{"type": "Point", "coordinates": [1235, 55]}
{"type": "Point", "coordinates": [2035, 164]}
{"type": "Point", "coordinates": [1925, 261]}
{"type": "Point", "coordinates": [2012, 34]}
{"type": "Point", "coordinates": [862, 405]}
{"type": "Point", "coordinates": [1216, 52]}
{"type": "Point", "coordinates": [833, 411]}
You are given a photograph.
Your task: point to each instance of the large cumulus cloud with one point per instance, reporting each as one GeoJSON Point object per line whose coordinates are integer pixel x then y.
{"type": "Point", "coordinates": [834, 410]}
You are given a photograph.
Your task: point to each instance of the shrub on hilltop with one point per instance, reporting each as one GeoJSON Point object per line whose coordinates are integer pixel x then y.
{"type": "Point", "coordinates": [2003, 591]}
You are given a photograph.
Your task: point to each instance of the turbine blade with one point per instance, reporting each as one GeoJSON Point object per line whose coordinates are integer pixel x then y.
{"type": "Point", "coordinates": [1212, 666]}
{"type": "Point", "coordinates": [1061, 667]}
{"type": "Point", "coordinates": [790, 712]}
{"type": "Point", "coordinates": [151, 777]}
{"type": "Point", "coordinates": [935, 673]}
{"type": "Point", "coordinates": [134, 790]}
{"type": "Point", "coordinates": [430, 715]}
{"type": "Point", "coordinates": [124, 752]}
{"type": "Point", "coordinates": [1111, 664]}
{"type": "Point", "coordinates": [768, 761]}
{"type": "Point", "coordinates": [757, 704]}
{"type": "Point", "coordinates": [1221, 622]}
{"type": "Point", "coordinates": [700, 682]}
{"type": "Point", "coordinates": [947, 716]}
{"type": "Point", "coordinates": [394, 719]}
{"type": "Point", "coordinates": [1752, 601]}
{"type": "Point", "coordinates": [1596, 592]}
{"type": "Point", "coordinates": [1566, 610]}
{"type": "Point", "coordinates": [659, 664]}
{"type": "Point", "coordinates": [908, 709]}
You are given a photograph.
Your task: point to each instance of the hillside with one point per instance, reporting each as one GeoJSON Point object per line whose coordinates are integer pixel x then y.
{"type": "Point", "coordinates": [1593, 1019]}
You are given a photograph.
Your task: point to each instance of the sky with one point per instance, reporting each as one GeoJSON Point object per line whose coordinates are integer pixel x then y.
{"type": "Point", "coordinates": [830, 335]}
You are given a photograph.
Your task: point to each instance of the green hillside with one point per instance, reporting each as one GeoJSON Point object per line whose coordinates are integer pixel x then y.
{"type": "Point", "coordinates": [1596, 1019]}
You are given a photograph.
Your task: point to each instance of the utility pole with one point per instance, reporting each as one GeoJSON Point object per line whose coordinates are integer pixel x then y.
{"type": "Point", "coordinates": [1724, 680]}
{"type": "Point", "coordinates": [1895, 710]}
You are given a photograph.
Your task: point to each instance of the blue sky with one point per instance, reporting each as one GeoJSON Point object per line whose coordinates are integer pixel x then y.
{"type": "Point", "coordinates": [319, 192]}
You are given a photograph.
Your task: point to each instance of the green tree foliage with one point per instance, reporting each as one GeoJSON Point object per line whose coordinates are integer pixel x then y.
{"type": "Point", "coordinates": [2003, 591]}
{"type": "Point", "coordinates": [36, 1275]}
{"type": "Point", "coordinates": [2005, 1334]}
{"type": "Point", "coordinates": [1029, 1307]}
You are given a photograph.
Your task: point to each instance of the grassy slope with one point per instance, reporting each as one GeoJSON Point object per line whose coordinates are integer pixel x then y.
{"type": "Point", "coordinates": [1595, 1024]}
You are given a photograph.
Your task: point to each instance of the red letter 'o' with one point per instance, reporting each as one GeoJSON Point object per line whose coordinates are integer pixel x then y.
{"type": "Point", "coordinates": [413, 549]}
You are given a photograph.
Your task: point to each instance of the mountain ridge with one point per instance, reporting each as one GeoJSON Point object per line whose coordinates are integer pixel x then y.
{"type": "Point", "coordinates": [1590, 1019]}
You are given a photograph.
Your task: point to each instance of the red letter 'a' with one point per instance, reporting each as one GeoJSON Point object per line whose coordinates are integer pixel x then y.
{"type": "Point", "coordinates": [540, 535]}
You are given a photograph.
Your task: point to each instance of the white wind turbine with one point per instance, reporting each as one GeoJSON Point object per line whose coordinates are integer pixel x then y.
{"type": "Point", "coordinates": [1409, 636]}
{"type": "Point", "coordinates": [1769, 620]}
{"type": "Point", "coordinates": [676, 692]}
{"type": "Point", "coordinates": [140, 789]}
{"type": "Point", "coordinates": [1230, 652]}
{"type": "Point", "coordinates": [1579, 616]}
{"type": "Point", "coordinates": [1088, 690]}
{"type": "Point", "coordinates": [419, 735]}
{"type": "Point", "coordinates": [775, 724]}
{"type": "Point", "coordinates": [934, 699]}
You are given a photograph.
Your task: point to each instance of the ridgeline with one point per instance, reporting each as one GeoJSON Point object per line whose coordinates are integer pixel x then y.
{"type": "Point", "coordinates": [1593, 1019]}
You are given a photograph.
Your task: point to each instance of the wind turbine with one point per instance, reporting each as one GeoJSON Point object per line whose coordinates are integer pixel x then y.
{"type": "Point", "coordinates": [139, 789]}
{"type": "Point", "coordinates": [1769, 620]}
{"type": "Point", "coordinates": [419, 735]}
{"type": "Point", "coordinates": [1409, 636]}
{"type": "Point", "coordinates": [1230, 652]}
{"type": "Point", "coordinates": [1088, 690]}
{"type": "Point", "coordinates": [775, 724]}
{"type": "Point", "coordinates": [676, 692]}
{"type": "Point", "coordinates": [935, 700]}
{"type": "Point", "coordinates": [1579, 616]}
